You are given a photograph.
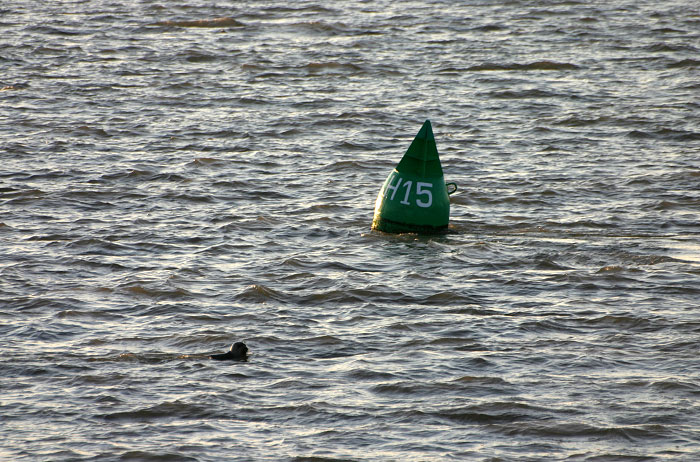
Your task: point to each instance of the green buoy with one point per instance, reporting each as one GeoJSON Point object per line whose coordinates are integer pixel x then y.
{"type": "Point", "coordinates": [414, 198]}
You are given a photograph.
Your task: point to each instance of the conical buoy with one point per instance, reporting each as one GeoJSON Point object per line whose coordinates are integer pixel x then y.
{"type": "Point", "coordinates": [414, 198]}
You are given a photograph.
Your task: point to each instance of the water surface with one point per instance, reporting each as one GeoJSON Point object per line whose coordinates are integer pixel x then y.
{"type": "Point", "coordinates": [179, 176]}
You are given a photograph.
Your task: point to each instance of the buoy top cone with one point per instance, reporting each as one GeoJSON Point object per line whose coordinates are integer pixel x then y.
{"type": "Point", "coordinates": [421, 158]}
{"type": "Point", "coordinates": [414, 198]}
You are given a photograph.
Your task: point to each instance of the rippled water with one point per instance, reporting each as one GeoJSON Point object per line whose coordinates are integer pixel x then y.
{"type": "Point", "coordinates": [177, 176]}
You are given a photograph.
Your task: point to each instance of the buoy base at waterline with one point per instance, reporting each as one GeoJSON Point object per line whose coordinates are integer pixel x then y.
{"type": "Point", "coordinates": [394, 227]}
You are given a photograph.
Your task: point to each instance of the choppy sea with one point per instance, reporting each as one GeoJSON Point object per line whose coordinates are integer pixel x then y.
{"type": "Point", "coordinates": [179, 175]}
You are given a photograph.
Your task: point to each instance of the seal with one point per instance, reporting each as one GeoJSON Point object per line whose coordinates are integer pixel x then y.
{"type": "Point", "coordinates": [238, 352]}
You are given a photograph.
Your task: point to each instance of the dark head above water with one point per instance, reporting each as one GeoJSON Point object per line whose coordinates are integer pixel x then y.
{"type": "Point", "coordinates": [238, 352]}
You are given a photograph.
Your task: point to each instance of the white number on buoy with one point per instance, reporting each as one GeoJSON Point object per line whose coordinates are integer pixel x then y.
{"type": "Point", "coordinates": [422, 189]}
{"type": "Point", "coordinates": [407, 185]}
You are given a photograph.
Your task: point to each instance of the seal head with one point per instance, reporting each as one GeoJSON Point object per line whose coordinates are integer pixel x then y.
{"type": "Point", "coordinates": [238, 352]}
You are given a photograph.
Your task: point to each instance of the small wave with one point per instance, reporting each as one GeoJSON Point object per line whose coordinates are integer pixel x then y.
{"type": "Point", "coordinates": [323, 27]}
{"type": "Point", "coordinates": [77, 314]}
{"type": "Point", "coordinates": [482, 380]}
{"type": "Point", "coordinates": [203, 23]}
{"type": "Point", "coordinates": [677, 386]}
{"type": "Point", "coordinates": [582, 121]}
{"type": "Point", "coordinates": [668, 30]}
{"type": "Point", "coordinates": [139, 358]}
{"type": "Point", "coordinates": [548, 264]}
{"type": "Point", "coordinates": [357, 146]}
{"type": "Point", "coordinates": [295, 10]}
{"type": "Point", "coordinates": [457, 344]}
{"type": "Point", "coordinates": [401, 388]}
{"type": "Point", "coordinates": [132, 173]}
{"type": "Point", "coordinates": [666, 133]}
{"type": "Point", "coordinates": [259, 293]}
{"type": "Point", "coordinates": [623, 322]}
{"type": "Point", "coordinates": [449, 297]}
{"type": "Point", "coordinates": [48, 238]}
{"type": "Point", "coordinates": [643, 260]}
{"type": "Point", "coordinates": [548, 325]}
{"type": "Point", "coordinates": [590, 224]}
{"type": "Point", "coordinates": [168, 294]}
{"type": "Point", "coordinates": [663, 47]}
{"type": "Point", "coordinates": [535, 66]}
{"type": "Point", "coordinates": [345, 297]}
{"type": "Point", "coordinates": [54, 333]}
{"type": "Point", "coordinates": [481, 385]}
{"type": "Point", "coordinates": [332, 67]}
{"type": "Point", "coordinates": [370, 375]}
{"type": "Point", "coordinates": [166, 410]}
{"type": "Point", "coordinates": [684, 63]}
{"type": "Point", "coordinates": [150, 456]}
{"type": "Point", "coordinates": [95, 246]}
{"type": "Point", "coordinates": [198, 57]}
{"type": "Point", "coordinates": [490, 28]}
{"type": "Point", "coordinates": [493, 413]}
{"type": "Point", "coordinates": [473, 311]}
{"type": "Point", "coordinates": [672, 205]}
{"type": "Point", "coordinates": [21, 196]}
{"type": "Point", "coordinates": [523, 94]}
{"type": "Point", "coordinates": [50, 30]}
{"type": "Point", "coordinates": [345, 166]}
{"type": "Point", "coordinates": [290, 384]}
{"type": "Point", "coordinates": [194, 198]}
{"type": "Point", "coordinates": [581, 430]}
{"type": "Point", "coordinates": [207, 161]}
{"type": "Point", "coordinates": [86, 130]}
{"type": "Point", "coordinates": [97, 378]}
